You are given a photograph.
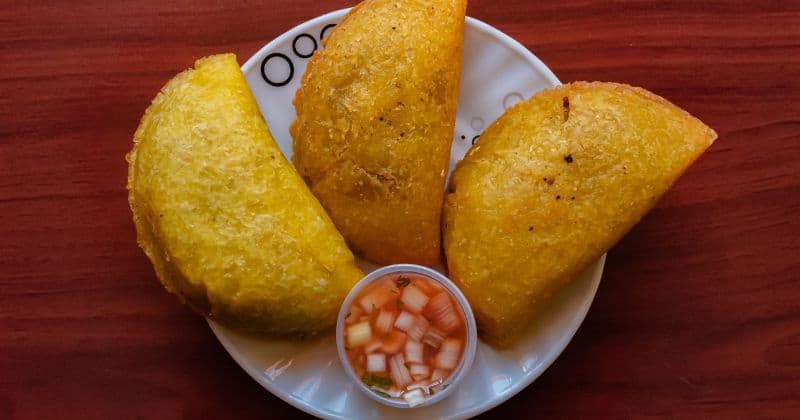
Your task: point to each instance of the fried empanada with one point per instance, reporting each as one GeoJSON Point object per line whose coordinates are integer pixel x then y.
{"type": "Point", "coordinates": [228, 224]}
{"type": "Point", "coordinates": [552, 185]}
{"type": "Point", "coordinates": [375, 117]}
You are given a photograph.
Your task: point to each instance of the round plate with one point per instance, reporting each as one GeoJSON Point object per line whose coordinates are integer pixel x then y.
{"type": "Point", "coordinates": [497, 72]}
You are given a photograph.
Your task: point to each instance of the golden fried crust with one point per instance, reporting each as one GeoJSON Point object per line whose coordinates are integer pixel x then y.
{"type": "Point", "coordinates": [552, 185]}
{"type": "Point", "coordinates": [228, 224]}
{"type": "Point", "coordinates": [376, 111]}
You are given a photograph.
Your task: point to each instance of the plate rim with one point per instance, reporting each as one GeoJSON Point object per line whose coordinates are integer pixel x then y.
{"type": "Point", "coordinates": [520, 49]}
{"type": "Point", "coordinates": [527, 378]}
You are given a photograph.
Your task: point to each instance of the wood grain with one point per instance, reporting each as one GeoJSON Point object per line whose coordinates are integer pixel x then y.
{"type": "Point", "coordinates": [698, 315]}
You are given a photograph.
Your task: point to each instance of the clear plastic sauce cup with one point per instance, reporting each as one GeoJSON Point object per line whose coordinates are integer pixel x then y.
{"type": "Point", "coordinates": [406, 335]}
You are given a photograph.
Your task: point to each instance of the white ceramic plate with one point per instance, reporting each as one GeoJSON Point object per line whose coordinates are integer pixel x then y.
{"type": "Point", "coordinates": [497, 72]}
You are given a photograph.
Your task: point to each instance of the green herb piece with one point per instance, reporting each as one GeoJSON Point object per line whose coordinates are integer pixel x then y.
{"type": "Point", "coordinates": [381, 393]}
{"type": "Point", "coordinates": [403, 281]}
{"type": "Point", "coordinates": [347, 316]}
{"type": "Point", "coordinates": [375, 380]}
{"type": "Point", "coordinates": [399, 304]}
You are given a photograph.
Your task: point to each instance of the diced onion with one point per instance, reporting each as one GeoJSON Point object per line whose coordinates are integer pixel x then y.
{"type": "Point", "coordinates": [384, 321]}
{"type": "Point", "coordinates": [449, 353]}
{"type": "Point", "coordinates": [414, 397]}
{"type": "Point", "coordinates": [398, 371]}
{"type": "Point", "coordinates": [414, 299]}
{"type": "Point", "coordinates": [443, 313]}
{"type": "Point", "coordinates": [447, 360]}
{"type": "Point", "coordinates": [433, 337]}
{"type": "Point", "coordinates": [419, 328]}
{"type": "Point", "coordinates": [358, 334]}
{"type": "Point", "coordinates": [376, 362]}
{"type": "Point", "coordinates": [413, 351]}
{"type": "Point", "coordinates": [405, 321]}
{"type": "Point", "coordinates": [452, 345]}
{"type": "Point", "coordinates": [419, 371]}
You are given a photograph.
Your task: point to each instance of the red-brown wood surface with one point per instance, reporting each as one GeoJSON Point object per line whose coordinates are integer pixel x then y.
{"type": "Point", "coordinates": [698, 314]}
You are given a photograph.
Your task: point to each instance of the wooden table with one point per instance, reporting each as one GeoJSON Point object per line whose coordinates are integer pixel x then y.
{"type": "Point", "coordinates": [698, 314]}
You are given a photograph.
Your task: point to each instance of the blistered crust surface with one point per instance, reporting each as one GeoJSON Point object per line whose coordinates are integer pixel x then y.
{"type": "Point", "coordinates": [226, 221]}
{"type": "Point", "coordinates": [376, 112]}
{"type": "Point", "coordinates": [551, 186]}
